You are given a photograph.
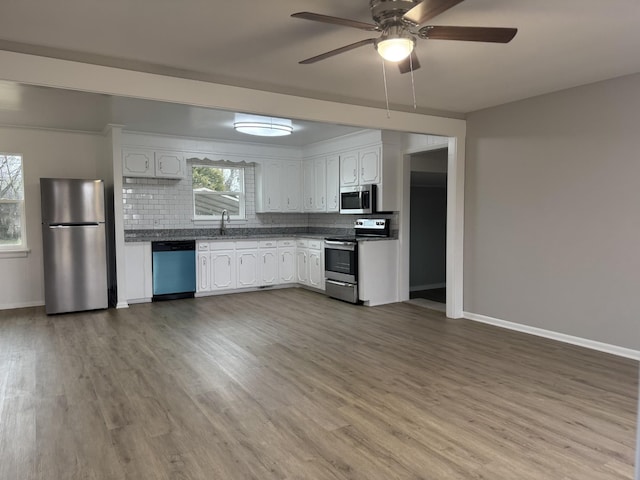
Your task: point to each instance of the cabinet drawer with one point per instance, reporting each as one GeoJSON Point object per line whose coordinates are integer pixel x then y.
{"type": "Point", "coordinates": [246, 244]}
{"type": "Point", "coordinates": [222, 245]}
{"type": "Point", "coordinates": [268, 243]}
{"type": "Point", "coordinates": [203, 246]}
{"type": "Point", "coordinates": [302, 243]}
{"type": "Point", "coordinates": [315, 244]}
{"type": "Point", "coordinates": [286, 243]}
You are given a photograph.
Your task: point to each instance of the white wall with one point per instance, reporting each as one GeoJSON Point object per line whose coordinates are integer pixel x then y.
{"type": "Point", "coordinates": [552, 212]}
{"type": "Point", "coordinates": [45, 154]}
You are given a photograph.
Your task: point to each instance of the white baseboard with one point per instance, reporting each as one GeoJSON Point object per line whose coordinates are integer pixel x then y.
{"type": "Point", "coordinates": [429, 286]}
{"type": "Point", "coordinates": [11, 306]}
{"type": "Point", "coordinates": [561, 337]}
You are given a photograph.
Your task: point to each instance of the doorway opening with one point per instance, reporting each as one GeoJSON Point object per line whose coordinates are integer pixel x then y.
{"type": "Point", "coordinates": [428, 229]}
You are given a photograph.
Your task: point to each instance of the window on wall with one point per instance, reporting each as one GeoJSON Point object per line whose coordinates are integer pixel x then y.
{"type": "Point", "coordinates": [12, 221]}
{"type": "Point", "coordinates": [218, 188]}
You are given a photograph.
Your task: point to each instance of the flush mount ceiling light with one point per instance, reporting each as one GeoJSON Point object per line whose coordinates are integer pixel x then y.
{"type": "Point", "coordinates": [262, 126]}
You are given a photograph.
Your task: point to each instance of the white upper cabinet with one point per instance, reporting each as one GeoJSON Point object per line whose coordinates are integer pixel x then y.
{"type": "Point", "coordinates": [137, 162]}
{"type": "Point", "coordinates": [292, 186]}
{"type": "Point", "coordinates": [333, 183]}
{"type": "Point", "coordinates": [278, 186]}
{"type": "Point", "coordinates": [309, 184]}
{"type": "Point", "coordinates": [169, 164]}
{"type": "Point", "coordinates": [369, 163]}
{"type": "Point", "coordinates": [349, 169]}
{"type": "Point", "coordinates": [141, 162]}
{"type": "Point", "coordinates": [320, 184]}
{"type": "Point", "coordinates": [360, 167]}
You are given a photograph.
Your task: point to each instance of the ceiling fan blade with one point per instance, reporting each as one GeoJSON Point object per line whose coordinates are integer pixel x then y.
{"type": "Point", "coordinates": [428, 9]}
{"type": "Point", "coordinates": [346, 48]}
{"type": "Point", "coordinates": [316, 17]}
{"type": "Point", "coordinates": [410, 63]}
{"type": "Point", "coordinates": [469, 34]}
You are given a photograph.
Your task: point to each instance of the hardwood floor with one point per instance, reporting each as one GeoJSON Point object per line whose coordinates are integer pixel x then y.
{"type": "Point", "coordinates": [289, 384]}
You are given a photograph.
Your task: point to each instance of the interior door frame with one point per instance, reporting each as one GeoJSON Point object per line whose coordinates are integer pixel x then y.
{"type": "Point", "coordinates": [455, 224]}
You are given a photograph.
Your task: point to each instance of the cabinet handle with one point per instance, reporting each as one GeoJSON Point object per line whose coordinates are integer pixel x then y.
{"type": "Point", "coordinates": [355, 172]}
{"type": "Point", "coordinates": [146, 164]}
{"type": "Point", "coordinates": [362, 170]}
{"type": "Point", "coordinates": [228, 261]}
{"type": "Point", "coordinates": [240, 260]}
{"type": "Point", "coordinates": [160, 165]}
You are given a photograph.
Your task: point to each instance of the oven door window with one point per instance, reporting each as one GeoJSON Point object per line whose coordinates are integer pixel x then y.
{"type": "Point", "coordinates": [340, 261]}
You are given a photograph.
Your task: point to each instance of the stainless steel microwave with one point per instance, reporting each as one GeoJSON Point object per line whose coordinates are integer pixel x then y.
{"type": "Point", "coordinates": [359, 199]}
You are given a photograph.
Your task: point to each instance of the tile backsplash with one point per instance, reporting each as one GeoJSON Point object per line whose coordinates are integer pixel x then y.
{"type": "Point", "coordinates": [160, 204]}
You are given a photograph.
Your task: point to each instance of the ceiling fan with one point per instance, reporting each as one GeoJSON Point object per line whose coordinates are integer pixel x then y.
{"type": "Point", "coordinates": [399, 22]}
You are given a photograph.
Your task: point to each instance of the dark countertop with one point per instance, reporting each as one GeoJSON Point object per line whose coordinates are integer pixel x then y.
{"type": "Point", "coordinates": [132, 236]}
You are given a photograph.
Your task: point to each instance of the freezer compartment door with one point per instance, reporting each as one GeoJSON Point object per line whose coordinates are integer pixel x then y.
{"type": "Point", "coordinates": [67, 201]}
{"type": "Point", "coordinates": [75, 268]}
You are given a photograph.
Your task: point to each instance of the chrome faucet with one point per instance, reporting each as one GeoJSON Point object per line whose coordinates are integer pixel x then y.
{"type": "Point", "coordinates": [223, 227]}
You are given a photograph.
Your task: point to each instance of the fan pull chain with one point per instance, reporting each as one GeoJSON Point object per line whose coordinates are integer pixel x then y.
{"type": "Point", "coordinates": [386, 93]}
{"type": "Point", "coordinates": [413, 85]}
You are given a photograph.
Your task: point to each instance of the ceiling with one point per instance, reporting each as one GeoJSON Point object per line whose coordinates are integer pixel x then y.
{"type": "Point", "coordinates": [257, 44]}
{"type": "Point", "coordinates": [43, 107]}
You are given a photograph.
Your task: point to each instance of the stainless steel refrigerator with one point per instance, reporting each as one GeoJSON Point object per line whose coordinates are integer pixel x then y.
{"type": "Point", "coordinates": [74, 244]}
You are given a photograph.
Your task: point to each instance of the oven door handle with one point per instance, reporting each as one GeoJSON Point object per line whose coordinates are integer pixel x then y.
{"type": "Point", "coordinates": [341, 284]}
{"type": "Point", "coordinates": [340, 245]}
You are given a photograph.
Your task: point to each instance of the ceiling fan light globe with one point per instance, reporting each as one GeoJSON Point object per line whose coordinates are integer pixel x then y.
{"type": "Point", "coordinates": [395, 49]}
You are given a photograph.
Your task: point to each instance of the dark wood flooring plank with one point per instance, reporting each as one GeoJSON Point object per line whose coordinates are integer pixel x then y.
{"type": "Point", "coordinates": [288, 384]}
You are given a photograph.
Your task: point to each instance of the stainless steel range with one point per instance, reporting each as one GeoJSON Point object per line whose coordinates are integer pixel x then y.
{"type": "Point", "coordinates": [341, 258]}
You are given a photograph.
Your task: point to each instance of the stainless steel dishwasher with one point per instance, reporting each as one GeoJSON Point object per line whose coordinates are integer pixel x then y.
{"type": "Point", "coordinates": [174, 269]}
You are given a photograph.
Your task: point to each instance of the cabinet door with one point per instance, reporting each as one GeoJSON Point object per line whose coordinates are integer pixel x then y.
{"type": "Point", "coordinates": [223, 270]}
{"type": "Point", "coordinates": [292, 188]}
{"type": "Point", "coordinates": [370, 165]}
{"type": "Point", "coordinates": [320, 184]}
{"type": "Point", "coordinates": [316, 269]}
{"type": "Point", "coordinates": [137, 162]}
{"type": "Point", "coordinates": [349, 169]}
{"type": "Point", "coordinates": [138, 271]}
{"type": "Point", "coordinates": [169, 164]}
{"type": "Point", "coordinates": [272, 187]}
{"type": "Point", "coordinates": [268, 266]}
{"type": "Point", "coordinates": [203, 272]}
{"type": "Point", "coordinates": [302, 266]}
{"type": "Point", "coordinates": [287, 265]}
{"type": "Point", "coordinates": [309, 185]}
{"type": "Point", "coordinates": [247, 268]}
{"type": "Point", "coordinates": [333, 183]}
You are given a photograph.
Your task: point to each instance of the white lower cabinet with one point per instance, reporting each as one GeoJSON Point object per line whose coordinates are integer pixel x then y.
{"type": "Point", "coordinates": [247, 263]}
{"type": "Point", "coordinates": [287, 261]}
{"type": "Point", "coordinates": [139, 280]}
{"type": "Point", "coordinates": [203, 267]}
{"type": "Point", "coordinates": [268, 263]}
{"type": "Point", "coordinates": [316, 264]}
{"type": "Point", "coordinates": [223, 269]}
{"type": "Point", "coordinates": [302, 265]}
